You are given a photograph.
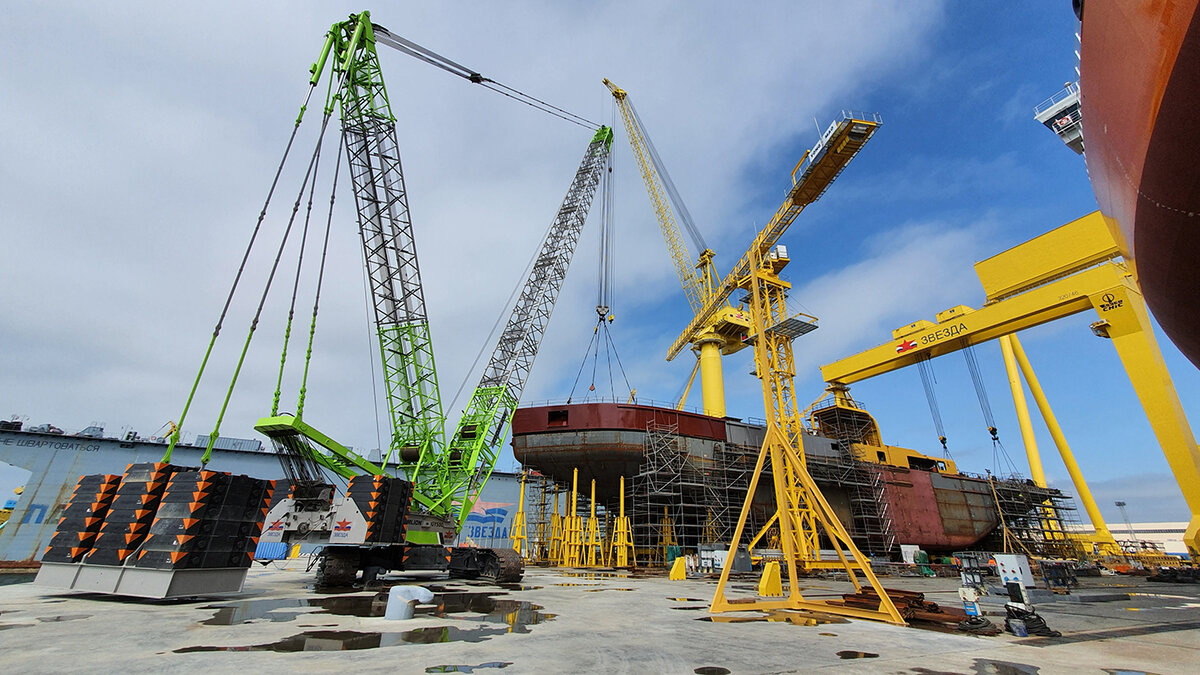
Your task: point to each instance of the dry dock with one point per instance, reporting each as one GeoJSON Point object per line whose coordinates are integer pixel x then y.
{"type": "Point", "coordinates": [559, 621]}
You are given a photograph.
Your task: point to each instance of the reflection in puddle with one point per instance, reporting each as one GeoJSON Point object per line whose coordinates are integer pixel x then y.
{"type": "Point", "coordinates": [594, 575]}
{"type": "Point", "coordinates": [285, 609]}
{"type": "Point", "coordinates": [341, 640]}
{"type": "Point", "coordinates": [848, 654]}
{"type": "Point", "coordinates": [6, 626]}
{"type": "Point", "coordinates": [467, 669]}
{"type": "Point", "coordinates": [711, 670]}
{"type": "Point", "coordinates": [63, 617]}
{"type": "Point", "coordinates": [597, 590]}
{"type": "Point", "coordinates": [576, 585]}
{"type": "Point", "coordinates": [828, 634]}
{"type": "Point", "coordinates": [686, 600]}
{"type": "Point", "coordinates": [696, 607]}
{"type": "Point", "coordinates": [795, 617]}
{"type": "Point", "coordinates": [517, 614]}
{"type": "Point", "coordinates": [517, 587]}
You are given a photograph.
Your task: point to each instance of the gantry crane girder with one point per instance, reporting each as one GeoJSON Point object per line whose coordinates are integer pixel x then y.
{"type": "Point", "coordinates": [1068, 270]}
{"type": "Point", "coordinates": [817, 170]}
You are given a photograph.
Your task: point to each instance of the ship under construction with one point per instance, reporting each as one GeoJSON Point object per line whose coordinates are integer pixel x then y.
{"type": "Point", "coordinates": [686, 474]}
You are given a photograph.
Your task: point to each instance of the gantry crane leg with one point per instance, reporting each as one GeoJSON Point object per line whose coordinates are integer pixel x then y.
{"type": "Point", "coordinates": [1125, 319]}
{"type": "Point", "coordinates": [1103, 536]}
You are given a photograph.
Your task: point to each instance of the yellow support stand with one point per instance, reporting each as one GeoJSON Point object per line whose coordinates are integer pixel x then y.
{"type": "Point", "coordinates": [517, 533]}
{"type": "Point", "coordinates": [573, 536]}
{"type": "Point", "coordinates": [593, 543]}
{"type": "Point", "coordinates": [771, 583]}
{"type": "Point", "coordinates": [679, 569]}
{"type": "Point", "coordinates": [622, 542]}
{"type": "Point", "coordinates": [666, 536]}
{"type": "Point", "coordinates": [554, 554]}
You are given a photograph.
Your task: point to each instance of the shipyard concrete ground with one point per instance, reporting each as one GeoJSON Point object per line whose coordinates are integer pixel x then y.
{"type": "Point", "coordinates": [556, 622]}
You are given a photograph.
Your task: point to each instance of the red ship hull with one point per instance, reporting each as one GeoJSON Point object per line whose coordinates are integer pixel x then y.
{"type": "Point", "coordinates": [1140, 93]}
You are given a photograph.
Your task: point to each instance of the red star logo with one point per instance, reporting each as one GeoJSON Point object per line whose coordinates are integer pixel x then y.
{"type": "Point", "coordinates": [341, 526]}
{"type": "Point", "coordinates": [905, 345]}
{"type": "Point", "coordinates": [277, 525]}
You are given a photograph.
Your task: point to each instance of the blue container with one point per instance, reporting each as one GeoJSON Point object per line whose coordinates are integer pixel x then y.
{"type": "Point", "coordinates": [271, 550]}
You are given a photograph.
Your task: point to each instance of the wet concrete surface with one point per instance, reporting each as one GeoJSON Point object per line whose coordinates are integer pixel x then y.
{"type": "Point", "coordinates": [553, 622]}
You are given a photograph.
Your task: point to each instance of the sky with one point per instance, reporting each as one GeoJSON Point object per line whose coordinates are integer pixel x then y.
{"type": "Point", "coordinates": [140, 139]}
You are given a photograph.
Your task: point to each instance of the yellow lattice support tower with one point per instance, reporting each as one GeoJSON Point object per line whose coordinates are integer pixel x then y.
{"type": "Point", "coordinates": [666, 537]}
{"type": "Point", "coordinates": [573, 524]}
{"type": "Point", "coordinates": [621, 552]}
{"type": "Point", "coordinates": [517, 533]}
{"type": "Point", "coordinates": [593, 544]}
{"type": "Point", "coordinates": [801, 507]}
{"type": "Point", "coordinates": [554, 554]}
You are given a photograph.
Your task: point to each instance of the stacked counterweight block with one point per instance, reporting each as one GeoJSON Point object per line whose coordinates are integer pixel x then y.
{"type": "Point", "coordinates": [384, 502]}
{"type": "Point", "coordinates": [161, 516]}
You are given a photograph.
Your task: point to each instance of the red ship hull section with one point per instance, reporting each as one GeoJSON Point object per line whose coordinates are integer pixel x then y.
{"type": "Point", "coordinates": [1140, 96]}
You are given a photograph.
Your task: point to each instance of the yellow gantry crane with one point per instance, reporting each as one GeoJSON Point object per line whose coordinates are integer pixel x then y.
{"type": "Point", "coordinates": [1071, 269]}
{"type": "Point", "coordinates": [725, 329]}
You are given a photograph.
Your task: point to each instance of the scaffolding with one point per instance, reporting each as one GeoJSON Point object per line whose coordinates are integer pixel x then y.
{"type": "Point", "coordinates": [548, 506]}
{"type": "Point", "coordinates": [1034, 520]}
{"type": "Point", "coordinates": [682, 500]}
{"type": "Point", "coordinates": [870, 523]}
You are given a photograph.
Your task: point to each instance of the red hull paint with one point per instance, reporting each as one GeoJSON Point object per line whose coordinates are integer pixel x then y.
{"type": "Point", "coordinates": [1140, 97]}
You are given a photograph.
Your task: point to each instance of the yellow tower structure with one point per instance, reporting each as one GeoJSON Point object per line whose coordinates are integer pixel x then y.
{"type": "Point", "coordinates": [554, 552]}
{"type": "Point", "coordinates": [593, 544]}
{"type": "Point", "coordinates": [622, 540]}
{"type": "Point", "coordinates": [573, 527]}
{"type": "Point", "coordinates": [517, 533]}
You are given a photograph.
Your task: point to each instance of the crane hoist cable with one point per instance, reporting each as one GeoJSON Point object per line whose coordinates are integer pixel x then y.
{"type": "Point", "coordinates": [999, 453]}
{"type": "Point", "coordinates": [668, 184]}
{"type": "Point", "coordinates": [981, 391]}
{"type": "Point", "coordinates": [928, 380]}
{"type": "Point", "coordinates": [384, 36]}
{"type": "Point", "coordinates": [601, 333]}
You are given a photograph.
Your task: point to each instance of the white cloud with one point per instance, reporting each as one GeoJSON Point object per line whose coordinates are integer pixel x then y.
{"type": "Point", "coordinates": [140, 139]}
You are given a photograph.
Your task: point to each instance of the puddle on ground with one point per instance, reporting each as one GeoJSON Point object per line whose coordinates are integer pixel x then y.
{"type": "Point", "coordinates": [597, 590]}
{"type": "Point", "coordinates": [828, 634]}
{"type": "Point", "coordinates": [63, 617]}
{"type": "Point", "coordinates": [686, 600]}
{"type": "Point", "coordinates": [696, 607]}
{"type": "Point", "coordinates": [343, 640]}
{"type": "Point", "coordinates": [6, 626]}
{"type": "Point", "coordinates": [516, 614]}
{"type": "Point", "coordinates": [517, 587]}
{"type": "Point", "coordinates": [384, 584]}
{"type": "Point", "coordinates": [850, 654]}
{"type": "Point", "coordinates": [594, 575]}
{"type": "Point", "coordinates": [795, 617]}
{"type": "Point", "coordinates": [317, 625]}
{"type": "Point", "coordinates": [711, 670]}
{"type": "Point", "coordinates": [467, 669]}
{"type": "Point", "coordinates": [1121, 671]}
{"type": "Point", "coordinates": [274, 610]}
{"type": "Point", "coordinates": [9, 579]}
{"type": "Point", "coordinates": [576, 585]}
{"type": "Point", "coordinates": [1005, 667]}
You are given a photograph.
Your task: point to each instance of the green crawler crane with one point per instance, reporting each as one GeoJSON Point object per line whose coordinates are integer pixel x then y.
{"type": "Point", "coordinates": [446, 477]}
